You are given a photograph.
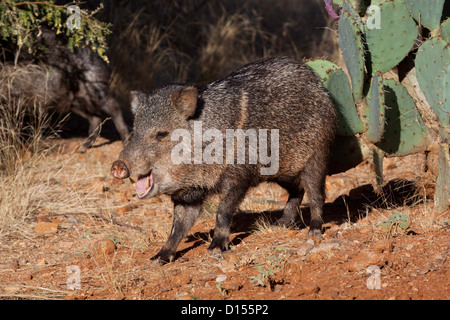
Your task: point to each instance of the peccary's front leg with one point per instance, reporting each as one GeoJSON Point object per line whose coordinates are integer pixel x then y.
{"type": "Point", "coordinates": [184, 217]}
{"type": "Point", "coordinates": [227, 208]}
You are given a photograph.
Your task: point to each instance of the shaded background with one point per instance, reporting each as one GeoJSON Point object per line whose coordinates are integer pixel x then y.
{"type": "Point", "coordinates": [157, 42]}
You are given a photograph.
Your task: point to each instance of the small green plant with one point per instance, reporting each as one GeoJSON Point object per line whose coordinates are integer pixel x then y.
{"type": "Point", "coordinates": [221, 290]}
{"type": "Point", "coordinates": [274, 265]}
{"type": "Point", "coordinates": [396, 223]}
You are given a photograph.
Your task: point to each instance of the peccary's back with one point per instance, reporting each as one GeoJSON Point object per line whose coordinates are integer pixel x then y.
{"type": "Point", "coordinates": [275, 93]}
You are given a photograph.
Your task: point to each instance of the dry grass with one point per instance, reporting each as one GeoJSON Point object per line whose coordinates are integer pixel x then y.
{"type": "Point", "coordinates": [158, 42]}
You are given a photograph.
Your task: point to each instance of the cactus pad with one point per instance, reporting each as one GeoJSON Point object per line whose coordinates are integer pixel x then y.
{"type": "Point", "coordinates": [375, 115]}
{"type": "Point", "coordinates": [442, 196]}
{"type": "Point", "coordinates": [376, 168]}
{"type": "Point", "coordinates": [352, 51]}
{"type": "Point", "coordinates": [445, 30]}
{"type": "Point", "coordinates": [405, 132]}
{"type": "Point", "coordinates": [428, 12]}
{"type": "Point", "coordinates": [392, 42]}
{"type": "Point", "coordinates": [336, 82]}
{"type": "Point", "coordinates": [432, 68]}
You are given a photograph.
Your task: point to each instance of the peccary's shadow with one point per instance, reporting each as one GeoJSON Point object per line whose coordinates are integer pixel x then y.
{"type": "Point", "coordinates": [398, 192]}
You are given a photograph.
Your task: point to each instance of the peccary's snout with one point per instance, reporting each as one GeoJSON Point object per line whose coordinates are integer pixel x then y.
{"type": "Point", "coordinates": [120, 170]}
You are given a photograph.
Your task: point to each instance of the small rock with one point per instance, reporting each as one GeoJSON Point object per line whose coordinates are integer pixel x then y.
{"type": "Point", "coordinates": [43, 219]}
{"type": "Point", "coordinates": [183, 259]}
{"type": "Point", "coordinates": [231, 257]}
{"type": "Point", "coordinates": [227, 266]}
{"type": "Point", "coordinates": [104, 247]}
{"type": "Point", "coordinates": [309, 288]}
{"type": "Point", "coordinates": [42, 262]}
{"type": "Point", "coordinates": [46, 228]}
{"type": "Point", "coordinates": [384, 245]}
{"type": "Point", "coordinates": [364, 259]}
{"type": "Point", "coordinates": [233, 286]}
{"type": "Point", "coordinates": [209, 276]}
{"type": "Point", "coordinates": [221, 278]}
{"type": "Point", "coordinates": [137, 221]}
{"type": "Point", "coordinates": [128, 208]}
{"type": "Point", "coordinates": [26, 276]}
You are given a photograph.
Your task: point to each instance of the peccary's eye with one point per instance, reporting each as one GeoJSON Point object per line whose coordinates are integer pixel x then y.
{"type": "Point", "coordinates": [161, 134]}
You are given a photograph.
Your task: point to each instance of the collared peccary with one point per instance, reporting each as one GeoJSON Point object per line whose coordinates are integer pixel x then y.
{"type": "Point", "coordinates": [280, 95]}
{"type": "Point", "coordinates": [66, 80]}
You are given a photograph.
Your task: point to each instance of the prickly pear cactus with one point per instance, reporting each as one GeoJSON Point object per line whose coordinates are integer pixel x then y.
{"type": "Point", "coordinates": [352, 49]}
{"type": "Point", "coordinates": [376, 106]}
{"type": "Point", "coordinates": [379, 116]}
{"type": "Point", "coordinates": [391, 42]}
{"type": "Point", "coordinates": [432, 68]}
{"type": "Point", "coordinates": [336, 81]}
{"type": "Point", "coordinates": [427, 12]}
{"type": "Point", "coordinates": [405, 132]}
{"type": "Point", "coordinates": [445, 30]}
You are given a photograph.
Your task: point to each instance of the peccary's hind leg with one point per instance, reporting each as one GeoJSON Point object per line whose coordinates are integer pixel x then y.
{"type": "Point", "coordinates": [184, 217]}
{"type": "Point", "coordinates": [290, 211]}
{"type": "Point", "coordinates": [227, 208]}
{"type": "Point", "coordinates": [313, 180]}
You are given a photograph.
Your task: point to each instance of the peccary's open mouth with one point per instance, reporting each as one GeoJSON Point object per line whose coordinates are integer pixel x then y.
{"type": "Point", "coordinates": [144, 184]}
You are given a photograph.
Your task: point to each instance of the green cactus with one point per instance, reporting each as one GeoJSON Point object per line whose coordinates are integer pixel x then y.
{"type": "Point", "coordinates": [405, 132]}
{"type": "Point", "coordinates": [445, 30]}
{"type": "Point", "coordinates": [376, 109]}
{"type": "Point", "coordinates": [445, 133]}
{"type": "Point", "coordinates": [392, 42]}
{"type": "Point", "coordinates": [376, 165]}
{"type": "Point", "coordinates": [351, 8]}
{"type": "Point", "coordinates": [443, 180]}
{"type": "Point", "coordinates": [427, 12]}
{"type": "Point", "coordinates": [322, 67]}
{"type": "Point", "coordinates": [336, 81]}
{"type": "Point", "coordinates": [352, 49]}
{"type": "Point", "coordinates": [392, 123]}
{"type": "Point", "coordinates": [432, 68]}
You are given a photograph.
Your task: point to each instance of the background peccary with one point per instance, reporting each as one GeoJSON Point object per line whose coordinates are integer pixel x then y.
{"type": "Point", "coordinates": [275, 93]}
{"type": "Point", "coordinates": [68, 81]}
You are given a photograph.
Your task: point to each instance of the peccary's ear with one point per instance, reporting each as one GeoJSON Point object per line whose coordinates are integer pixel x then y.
{"type": "Point", "coordinates": [137, 98]}
{"type": "Point", "coordinates": [186, 100]}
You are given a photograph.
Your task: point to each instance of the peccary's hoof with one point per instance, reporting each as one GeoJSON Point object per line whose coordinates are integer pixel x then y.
{"type": "Point", "coordinates": [314, 233]}
{"type": "Point", "coordinates": [218, 245]}
{"type": "Point", "coordinates": [119, 170]}
{"type": "Point", "coordinates": [163, 257]}
{"type": "Point", "coordinates": [286, 222]}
